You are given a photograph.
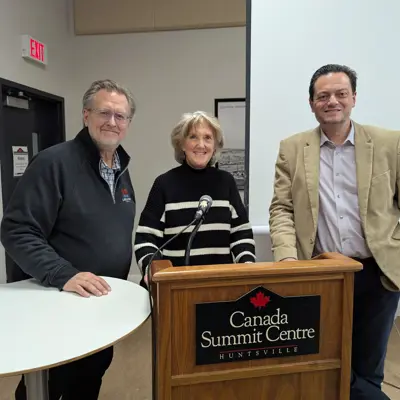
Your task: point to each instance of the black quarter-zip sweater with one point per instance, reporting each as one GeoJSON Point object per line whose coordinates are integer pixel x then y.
{"type": "Point", "coordinates": [62, 218]}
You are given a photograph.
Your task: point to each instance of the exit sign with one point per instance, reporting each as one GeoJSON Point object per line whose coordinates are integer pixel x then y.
{"type": "Point", "coordinates": [34, 50]}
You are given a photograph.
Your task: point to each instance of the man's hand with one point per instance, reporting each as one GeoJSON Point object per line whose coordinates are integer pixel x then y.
{"type": "Point", "coordinates": [86, 283]}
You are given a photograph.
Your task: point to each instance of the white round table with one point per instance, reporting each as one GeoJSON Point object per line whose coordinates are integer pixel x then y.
{"type": "Point", "coordinates": [43, 327]}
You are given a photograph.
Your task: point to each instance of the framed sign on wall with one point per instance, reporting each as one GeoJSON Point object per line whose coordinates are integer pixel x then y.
{"type": "Point", "coordinates": [231, 114]}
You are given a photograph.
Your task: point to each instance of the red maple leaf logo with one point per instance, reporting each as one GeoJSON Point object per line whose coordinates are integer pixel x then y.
{"type": "Point", "coordinates": [124, 191]}
{"type": "Point", "coordinates": [260, 300]}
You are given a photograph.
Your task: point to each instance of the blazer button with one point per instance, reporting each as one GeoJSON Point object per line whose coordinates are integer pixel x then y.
{"type": "Point", "coordinates": [311, 241]}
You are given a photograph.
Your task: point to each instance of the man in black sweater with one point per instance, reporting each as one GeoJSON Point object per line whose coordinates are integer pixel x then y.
{"type": "Point", "coordinates": [71, 217]}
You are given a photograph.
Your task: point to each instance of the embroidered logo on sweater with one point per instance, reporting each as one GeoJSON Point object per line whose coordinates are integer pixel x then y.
{"type": "Point", "coordinates": [125, 196]}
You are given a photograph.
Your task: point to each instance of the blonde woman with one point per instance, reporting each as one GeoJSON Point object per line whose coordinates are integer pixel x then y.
{"type": "Point", "coordinates": [226, 235]}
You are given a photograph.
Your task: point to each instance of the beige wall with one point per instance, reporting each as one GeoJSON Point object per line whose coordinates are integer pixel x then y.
{"type": "Point", "coordinates": [169, 73]}
{"type": "Point", "coordinates": [97, 17]}
{"type": "Point", "coordinates": [47, 21]}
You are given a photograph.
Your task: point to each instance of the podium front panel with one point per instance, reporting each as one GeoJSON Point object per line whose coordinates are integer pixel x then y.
{"type": "Point", "coordinates": [320, 369]}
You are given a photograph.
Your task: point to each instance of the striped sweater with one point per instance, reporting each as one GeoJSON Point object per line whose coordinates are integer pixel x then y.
{"type": "Point", "coordinates": [225, 236]}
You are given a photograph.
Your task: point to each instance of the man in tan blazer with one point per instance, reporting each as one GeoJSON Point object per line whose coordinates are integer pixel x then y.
{"type": "Point", "coordinates": [337, 190]}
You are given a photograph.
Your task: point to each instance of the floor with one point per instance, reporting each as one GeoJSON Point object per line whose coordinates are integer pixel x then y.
{"type": "Point", "coordinates": [129, 377]}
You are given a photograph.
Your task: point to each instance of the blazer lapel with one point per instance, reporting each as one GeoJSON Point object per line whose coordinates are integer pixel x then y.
{"type": "Point", "coordinates": [364, 151]}
{"type": "Point", "coordinates": [311, 165]}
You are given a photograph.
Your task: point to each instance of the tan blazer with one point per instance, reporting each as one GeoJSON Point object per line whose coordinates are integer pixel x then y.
{"type": "Point", "coordinates": [294, 207]}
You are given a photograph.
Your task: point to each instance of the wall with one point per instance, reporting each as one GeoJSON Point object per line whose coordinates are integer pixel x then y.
{"type": "Point", "coordinates": [47, 21]}
{"type": "Point", "coordinates": [127, 16]}
{"type": "Point", "coordinates": [169, 73]}
{"type": "Point", "coordinates": [279, 89]}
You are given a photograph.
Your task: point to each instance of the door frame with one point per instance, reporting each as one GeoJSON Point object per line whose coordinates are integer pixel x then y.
{"type": "Point", "coordinates": [36, 93]}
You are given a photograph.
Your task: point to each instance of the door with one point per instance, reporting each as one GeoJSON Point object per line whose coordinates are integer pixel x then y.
{"type": "Point", "coordinates": [30, 121]}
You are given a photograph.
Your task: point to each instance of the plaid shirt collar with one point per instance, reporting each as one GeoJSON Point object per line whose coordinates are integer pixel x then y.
{"type": "Point", "coordinates": [116, 165]}
{"type": "Point", "coordinates": [108, 174]}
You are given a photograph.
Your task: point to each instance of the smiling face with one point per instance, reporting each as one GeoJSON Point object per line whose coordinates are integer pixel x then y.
{"type": "Point", "coordinates": [333, 99]}
{"type": "Point", "coordinates": [199, 146]}
{"type": "Point", "coordinates": [107, 119]}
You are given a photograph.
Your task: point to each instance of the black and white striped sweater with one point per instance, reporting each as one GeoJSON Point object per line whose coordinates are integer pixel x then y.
{"type": "Point", "coordinates": [226, 235]}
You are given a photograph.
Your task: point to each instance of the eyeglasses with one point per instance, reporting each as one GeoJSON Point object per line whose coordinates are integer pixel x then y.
{"type": "Point", "coordinates": [106, 115]}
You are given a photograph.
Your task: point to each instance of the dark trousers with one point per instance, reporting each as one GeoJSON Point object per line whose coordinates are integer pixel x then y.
{"type": "Point", "coordinates": [374, 312]}
{"type": "Point", "coordinates": [78, 380]}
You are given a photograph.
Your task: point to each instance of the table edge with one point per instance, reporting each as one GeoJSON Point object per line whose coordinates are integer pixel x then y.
{"type": "Point", "coordinates": [67, 361]}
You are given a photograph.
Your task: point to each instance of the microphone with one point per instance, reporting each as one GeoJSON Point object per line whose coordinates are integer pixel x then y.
{"type": "Point", "coordinates": [205, 203]}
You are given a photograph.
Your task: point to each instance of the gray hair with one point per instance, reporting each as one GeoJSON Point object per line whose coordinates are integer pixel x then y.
{"type": "Point", "coordinates": [110, 86]}
{"type": "Point", "coordinates": [183, 128]}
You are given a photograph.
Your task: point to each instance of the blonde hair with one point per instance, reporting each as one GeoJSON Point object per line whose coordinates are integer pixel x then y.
{"type": "Point", "coordinates": [183, 128]}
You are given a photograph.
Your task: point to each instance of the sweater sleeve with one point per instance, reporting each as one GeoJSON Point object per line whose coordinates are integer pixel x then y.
{"type": "Point", "coordinates": [242, 240]}
{"type": "Point", "coordinates": [150, 231]}
{"type": "Point", "coordinates": [29, 219]}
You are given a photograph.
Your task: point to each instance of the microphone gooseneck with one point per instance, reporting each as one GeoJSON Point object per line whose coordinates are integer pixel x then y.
{"type": "Point", "coordinates": [147, 272]}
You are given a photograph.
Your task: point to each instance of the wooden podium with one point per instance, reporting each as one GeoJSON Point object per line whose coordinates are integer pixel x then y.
{"type": "Point", "coordinates": [273, 331]}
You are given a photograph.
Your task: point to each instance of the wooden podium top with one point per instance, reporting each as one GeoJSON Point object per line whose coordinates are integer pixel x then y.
{"type": "Point", "coordinates": [328, 263]}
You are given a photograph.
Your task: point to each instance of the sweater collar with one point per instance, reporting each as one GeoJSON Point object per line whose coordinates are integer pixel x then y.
{"type": "Point", "coordinates": [187, 167]}
{"type": "Point", "coordinates": [85, 140]}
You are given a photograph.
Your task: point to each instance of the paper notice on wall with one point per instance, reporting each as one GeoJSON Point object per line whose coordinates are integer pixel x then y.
{"type": "Point", "coordinates": [20, 159]}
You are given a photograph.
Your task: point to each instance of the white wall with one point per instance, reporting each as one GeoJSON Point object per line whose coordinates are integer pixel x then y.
{"type": "Point", "coordinates": [47, 21]}
{"type": "Point", "coordinates": [290, 40]}
{"type": "Point", "coordinates": [169, 73]}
